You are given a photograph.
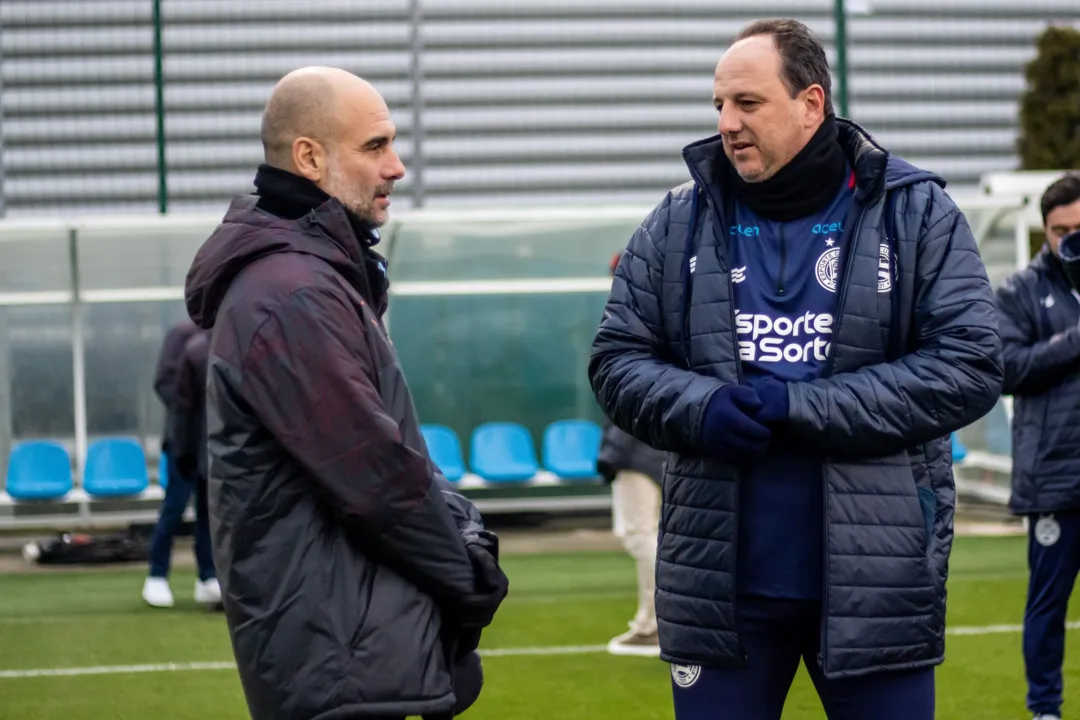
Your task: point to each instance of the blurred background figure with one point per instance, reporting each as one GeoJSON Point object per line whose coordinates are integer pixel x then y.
{"type": "Point", "coordinates": [635, 471]}
{"type": "Point", "coordinates": [175, 364]}
{"type": "Point", "coordinates": [1040, 334]}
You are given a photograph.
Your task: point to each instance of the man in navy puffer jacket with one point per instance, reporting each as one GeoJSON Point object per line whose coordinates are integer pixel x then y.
{"type": "Point", "coordinates": [800, 327]}
{"type": "Point", "coordinates": [1039, 309]}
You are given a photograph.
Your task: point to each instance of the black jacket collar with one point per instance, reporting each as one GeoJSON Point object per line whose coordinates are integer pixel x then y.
{"type": "Point", "coordinates": [705, 158]}
{"type": "Point", "coordinates": [288, 196]}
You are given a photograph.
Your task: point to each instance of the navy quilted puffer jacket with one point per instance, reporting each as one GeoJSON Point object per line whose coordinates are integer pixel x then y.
{"type": "Point", "coordinates": [906, 368]}
{"type": "Point", "coordinates": [1040, 337]}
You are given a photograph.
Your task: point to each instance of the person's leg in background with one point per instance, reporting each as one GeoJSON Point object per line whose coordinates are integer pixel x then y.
{"type": "Point", "coordinates": [768, 630]}
{"type": "Point", "coordinates": [156, 591]}
{"type": "Point", "coordinates": [1053, 560]}
{"type": "Point", "coordinates": [207, 589]}
{"type": "Point", "coordinates": [635, 501]}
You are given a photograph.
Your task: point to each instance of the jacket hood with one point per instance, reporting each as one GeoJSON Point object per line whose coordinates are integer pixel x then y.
{"type": "Point", "coordinates": [247, 234]}
{"type": "Point", "coordinates": [875, 169]}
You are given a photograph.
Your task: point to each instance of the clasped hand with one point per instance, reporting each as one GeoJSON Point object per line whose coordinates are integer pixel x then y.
{"type": "Point", "coordinates": [737, 420]}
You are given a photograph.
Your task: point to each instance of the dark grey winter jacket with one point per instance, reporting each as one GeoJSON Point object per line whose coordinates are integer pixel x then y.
{"type": "Point", "coordinates": [1040, 337]}
{"type": "Point", "coordinates": [619, 451]}
{"type": "Point", "coordinates": [337, 543]}
{"type": "Point", "coordinates": [915, 355]}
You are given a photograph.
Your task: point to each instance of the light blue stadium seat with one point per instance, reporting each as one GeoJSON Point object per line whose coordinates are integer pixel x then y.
{"type": "Point", "coordinates": [959, 451]}
{"type": "Point", "coordinates": [39, 470]}
{"type": "Point", "coordinates": [503, 452]}
{"type": "Point", "coordinates": [163, 469]}
{"type": "Point", "coordinates": [571, 447]}
{"type": "Point", "coordinates": [115, 467]}
{"type": "Point", "coordinates": [445, 450]}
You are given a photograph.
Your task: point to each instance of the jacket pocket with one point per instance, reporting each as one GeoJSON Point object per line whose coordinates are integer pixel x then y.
{"type": "Point", "coordinates": [928, 503]}
{"type": "Point", "coordinates": [1040, 427]}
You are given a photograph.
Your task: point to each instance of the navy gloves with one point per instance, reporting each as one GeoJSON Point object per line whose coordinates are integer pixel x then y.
{"type": "Point", "coordinates": [774, 400]}
{"type": "Point", "coordinates": [729, 429]}
{"type": "Point", "coordinates": [735, 425]}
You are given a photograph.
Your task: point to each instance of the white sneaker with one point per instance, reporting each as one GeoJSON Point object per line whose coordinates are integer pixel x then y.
{"type": "Point", "coordinates": [635, 643]}
{"type": "Point", "coordinates": [1046, 717]}
{"type": "Point", "coordinates": [207, 592]}
{"type": "Point", "coordinates": [156, 592]}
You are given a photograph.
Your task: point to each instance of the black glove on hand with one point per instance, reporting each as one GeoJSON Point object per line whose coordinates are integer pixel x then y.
{"type": "Point", "coordinates": [475, 611]}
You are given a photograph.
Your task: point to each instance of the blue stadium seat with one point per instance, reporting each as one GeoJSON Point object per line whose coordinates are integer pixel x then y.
{"type": "Point", "coordinates": [571, 447]}
{"type": "Point", "coordinates": [445, 450]}
{"type": "Point", "coordinates": [163, 469]}
{"type": "Point", "coordinates": [959, 451]}
{"type": "Point", "coordinates": [39, 470]}
{"type": "Point", "coordinates": [503, 452]}
{"type": "Point", "coordinates": [115, 467]}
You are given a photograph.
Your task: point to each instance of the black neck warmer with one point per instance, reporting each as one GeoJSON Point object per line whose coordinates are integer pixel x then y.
{"type": "Point", "coordinates": [804, 186]}
{"type": "Point", "coordinates": [291, 197]}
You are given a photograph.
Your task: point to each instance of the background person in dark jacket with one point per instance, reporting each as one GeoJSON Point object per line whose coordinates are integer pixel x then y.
{"type": "Point", "coordinates": [634, 470]}
{"type": "Point", "coordinates": [156, 591]}
{"type": "Point", "coordinates": [355, 579]}
{"type": "Point", "coordinates": [189, 445]}
{"type": "Point", "coordinates": [1039, 311]}
{"type": "Point", "coordinates": [800, 327]}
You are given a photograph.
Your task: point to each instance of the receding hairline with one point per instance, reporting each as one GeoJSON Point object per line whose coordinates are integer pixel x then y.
{"type": "Point", "coordinates": [802, 57]}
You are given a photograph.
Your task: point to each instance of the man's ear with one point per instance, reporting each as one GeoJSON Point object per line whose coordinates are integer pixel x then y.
{"type": "Point", "coordinates": [309, 159]}
{"type": "Point", "coordinates": [814, 105]}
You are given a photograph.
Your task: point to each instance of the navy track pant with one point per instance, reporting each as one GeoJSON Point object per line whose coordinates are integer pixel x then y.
{"type": "Point", "coordinates": [776, 635]}
{"type": "Point", "coordinates": [1054, 560]}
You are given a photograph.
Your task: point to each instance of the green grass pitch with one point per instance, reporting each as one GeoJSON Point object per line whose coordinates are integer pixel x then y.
{"type": "Point", "coordinates": [97, 620]}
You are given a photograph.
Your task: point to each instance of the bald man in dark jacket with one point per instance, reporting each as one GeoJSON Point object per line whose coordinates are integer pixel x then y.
{"type": "Point", "coordinates": [355, 579]}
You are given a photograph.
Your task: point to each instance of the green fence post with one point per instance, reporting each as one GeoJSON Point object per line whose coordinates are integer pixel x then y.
{"type": "Point", "coordinates": [840, 19]}
{"type": "Point", "coordinates": [159, 112]}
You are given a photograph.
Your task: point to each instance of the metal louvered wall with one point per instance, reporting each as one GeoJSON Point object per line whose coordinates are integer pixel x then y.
{"type": "Point", "coordinates": [496, 101]}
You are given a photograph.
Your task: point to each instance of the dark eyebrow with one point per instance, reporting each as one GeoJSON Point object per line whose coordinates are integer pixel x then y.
{"type": "Point", "coordinates": [738, 97]}
{"type": "Point", "coordinates": [378, 141]}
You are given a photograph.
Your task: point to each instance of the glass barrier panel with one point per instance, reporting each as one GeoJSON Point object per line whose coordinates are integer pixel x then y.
{"type": "Point", "coordinates": [123, 342]}
{"type": "Point", "coordinates": [487, 250]}
{"type": "Point", "coordinates": [34, 260]}
{"type": "Point", "coordinates": [480, 358]}
{"type": "Point", "coordinates": [153, 254]}
{"type": "Point", "coordinates": [36, 383]}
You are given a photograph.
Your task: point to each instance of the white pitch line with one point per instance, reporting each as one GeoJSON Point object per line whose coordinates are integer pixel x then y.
{"type": "Point", "coordinates": [116, 669]}
{"type": "Point", "coordinates": [564, 650]}
{"type": "Point", "coordinates": [494, 652]}
{"type": "Point", "coordinates": [998, 629]}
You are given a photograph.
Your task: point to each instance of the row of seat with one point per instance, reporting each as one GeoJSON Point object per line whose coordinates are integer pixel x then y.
{"type": "Point", "coordinates": [115, 467]}
{"type": "Point", "coordinates": [499, 452]}
{"type": "Point", "coordinates": [505, 452]}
